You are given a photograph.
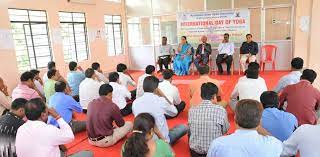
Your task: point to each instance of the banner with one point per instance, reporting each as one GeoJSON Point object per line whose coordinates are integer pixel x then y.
{"type": "Point", "coordinates": [214, 24]}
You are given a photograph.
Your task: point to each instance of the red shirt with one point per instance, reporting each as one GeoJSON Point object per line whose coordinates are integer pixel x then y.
{"type": "Point", "coordinates": [303, 101]}
{"type": "Point", "coordinates": [100, 116]}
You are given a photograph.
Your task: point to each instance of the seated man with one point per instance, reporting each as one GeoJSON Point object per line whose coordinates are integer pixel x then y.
{"type": "Point", "coordinates": [303, 100]}
{"type": "Point", "coordinates": [207, 121]}
{"type": "Point", "coordinates": [305, 139]}
{"type": "Point", "coordinates": [89, 88]}
{"type": "Point", "coordinates": [202, 53]}
{"type": "Point", "coordinates": [51, 65]}
{"type": "Point", "coordinates": [120, 94]}
{"type": "Point", "coordinates": [279, 123]}
{"type": "Point", "coordinates": [126, 79]}
{"type": "Point", "coordinates": [165, 54]}
{"type": "Point", "coordinates": [102, 113]}
{"type": "Point", "coordinates": [65, 105]}
{"type": "Point", "coordinates": [26, 88]}
{"type": "Point", "coordinates": [4, 98]}
{"type": "Point", "coordinates": [248, 139]}
{"type": "Point", "coordinates": [248, 51]}
{"type": "Point", "coordinates": [11, 121]}
{"type": "Point", "coordinates": [38, 82]}
{"type": "Point", "coordinates": [195, 90]}
{"type": "Point", "coordinates": [171, 92]}
{"type": "Point", "coordinates": [150, 70]}
{"type": "Point", "coordinates": [53, 77]}
{"type": "Point", "coordinates": [99, 73]}
{"type": "Point", "coordinates": [250, 86]}
{"type": "Point", "coordinates": [154, 102]}
{"type": "Point", "coordinates": [74, 79]}
{"type": "Point", "coordinates": [226, 50]}
{"type": "Point", "coordinates": [35, 138]}
{"type": "Point", "coordinates": [293, 77]}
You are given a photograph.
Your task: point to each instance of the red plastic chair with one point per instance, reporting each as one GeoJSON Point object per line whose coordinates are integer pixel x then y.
{"type": "Point", "coordinates": [268, 55]}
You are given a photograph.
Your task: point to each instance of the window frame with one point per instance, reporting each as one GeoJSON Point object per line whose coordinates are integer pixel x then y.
{"type": "Point", "coordinates": [112, 23]}
{"type": "Point", "coordinates": [73, 29]}
{"type": "Point", "coordinates": [30, 23]}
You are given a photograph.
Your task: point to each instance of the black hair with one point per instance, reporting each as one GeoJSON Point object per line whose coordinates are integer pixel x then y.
{"type": "Point", "coordinates": [164, 37]}
{"type": "Point", "coordinates": [89, 73]}
{"type": "Point", "coordinates": [150, 69]}
{"type": "Point", "coordinates": [35, 71]}
{"type": "Point", "coordinates": [95, 66]}
{"type": "Point", "coordinates": [204, 70]}
{"type": "Point", "coordinates": [226, 34]}
{"type": "Point", "coordinates": [297, 63]}
{"type": "Point", "coordinates": [249, 35]}
{"type": "Point", "coordinates": [121, 67]}
{"type": "Point", "coordinates": [60, 86]}
{"type": "Point", "coordinates": [309, 74]}
{"type": "Point", "coordinates": [248, 113]}
{"type": "Point", "coordinates": [105, 89]}
{"type": "Point", "coordinates": [72, 66]}
{"type": "Point", "coordinates": [113, 77]}
{"type": "Point", "coordinates": [253, 70]}
{"type": "Point", "coordinates": [26, 76]}
{"type": "Point", "coordinates": [51, 65]}
{"type": "Point", "coordinates": [51, 73]}
{"type": "Point", "coordinates": [269, 99]}
{"type": "Point", "coordinates": [208, 90]}
{"type": "Point", "coordinates": [150, 83]}
{"type": "Point", "coordinates": [136, 145]}
{"type": "Point", "coordinates": [167, 74]}
{"type": "Point", "coordinates": [18, 103]}
{"type": "Point", "coordinates": [34, 108]}
{"type": "Point", "coordinates": [184, 37]}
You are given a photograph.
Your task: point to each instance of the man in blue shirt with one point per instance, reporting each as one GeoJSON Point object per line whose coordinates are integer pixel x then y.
{"type": "Point", "coordinates": [65, 105]}
{"type": "Point", "coordinates": [279, 123]}
{"type": "Point", "coordinates": [74, 78]}
{"type": "Point", "coordinates": [293, 77]}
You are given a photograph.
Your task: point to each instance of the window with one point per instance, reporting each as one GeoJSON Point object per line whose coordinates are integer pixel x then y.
{"type": "Point", "coordinates": [156, 31]}
{"type": "Point", "coordinates": [74, 36]}
{"type": "Point", "coordinates": [113, 28]}
{"type": "Point", "coordinates": [134, 29]}
{"type": "Point", "coordinates": [31, 38]}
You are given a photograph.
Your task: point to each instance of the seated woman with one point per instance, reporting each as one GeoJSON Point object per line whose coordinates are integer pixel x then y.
{"type": "Point", "coordinates": [141, 142]}
{"type": "Point", "coordinates": [181, 62]}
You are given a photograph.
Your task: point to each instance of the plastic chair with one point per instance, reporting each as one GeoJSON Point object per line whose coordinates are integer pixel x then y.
{"type": "Point", "coordinates": [268, 55]}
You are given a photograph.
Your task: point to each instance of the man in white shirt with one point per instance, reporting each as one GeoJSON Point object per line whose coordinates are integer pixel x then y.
{"type": "Point", "coordinates": [165, 54]}
{"type": "Point", "coordinates": [305, 139]}
{"type": "Point", "coordinates": [226, 50]}
{"type": "Point", "coordinates": [120, 95]}
{"type": "Point", "coordinates": [89, 88]}
{"type": "Point", "coordinates": [150, 70]}
{"type": "Point", "coordinates": [171, 92]}
{"type": "Point", "coordinates": [250, 86]}
{"type": "Point", "coordinates": [38, 82]}
{"type": "Point", "coordinates": [293, 77]}
{"type": "Point", "coordinates": [126, 79]}
{"type": "Point", "coordinates": [154, 102]}
{"type": "Point", "coordinates": [250, 139]}
{"type": "Point", "coordinates": [37, 139]}
{"type": "Point", "coordinates": [99, 73]}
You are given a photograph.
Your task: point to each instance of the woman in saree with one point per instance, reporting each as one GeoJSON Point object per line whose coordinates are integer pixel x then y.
{"type": "Point", "coordinates": [181, 62]}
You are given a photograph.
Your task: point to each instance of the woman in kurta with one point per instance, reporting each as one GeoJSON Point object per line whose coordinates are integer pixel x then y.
{"type": "Point", "coordinates": [183, 59]}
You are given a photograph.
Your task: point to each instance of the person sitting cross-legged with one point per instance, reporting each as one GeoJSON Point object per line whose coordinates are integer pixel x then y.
{"type": "Point", "coordinates": [98, 71]}
{"type": "Point", "coordinates": [125, 79]}
{"type": "Point", "coordinates": [141, 143]}
{"type": "Point", "coordinates": [150, 71]}
{"type": "Point", "coordinates": [35, 138]}
{"type": "Point", "coordinates": [155, 102]}
{"type": "Point", "coordinates": [250, 139]}
{"type": "Point", "coordinates": [102, 113]}
{"type": "Point", "coordinates": [65, 105]}
{"type": "Point", "coordinates": [120, 94]}
{"type": "Point", "coordinates": [5, 100]}
{"type": "Point", "coordinates": [207, 121]}
{"type": "Point", "coordinates": [53, 77]}
{"type": "Point", "coordinates": [74, 79]}
{"type": "Point", "coordinates": [26, 88]}
{"type": "Point", "coordinates": [279, 123]}
{"type": "Point", "coordinates": [171, 92]}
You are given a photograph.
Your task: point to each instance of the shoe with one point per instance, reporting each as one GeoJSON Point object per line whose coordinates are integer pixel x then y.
{"type": "Point", "coordinates": [228, 73]}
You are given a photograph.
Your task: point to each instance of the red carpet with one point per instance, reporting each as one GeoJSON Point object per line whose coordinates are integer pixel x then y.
{"type": "Point", "coordinates": [181, 147]}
